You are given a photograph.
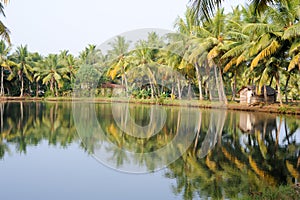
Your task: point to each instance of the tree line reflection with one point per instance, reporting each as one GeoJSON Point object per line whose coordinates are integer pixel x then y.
{"type": "Point", "coordinates": [231, 153]}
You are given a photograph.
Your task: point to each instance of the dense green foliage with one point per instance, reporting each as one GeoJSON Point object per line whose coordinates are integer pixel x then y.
{"type": "Point", "coordinates": [237, 49]}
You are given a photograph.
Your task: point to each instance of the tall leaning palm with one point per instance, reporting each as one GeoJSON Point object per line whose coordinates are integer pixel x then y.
{"type": "Point", "coordinates": [188, 26]}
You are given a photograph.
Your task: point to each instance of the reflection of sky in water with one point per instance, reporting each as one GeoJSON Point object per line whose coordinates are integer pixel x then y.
{"type": "Point", "coordinates": [57, 173]}
{"type": "Point", "coordinates": [295, 137]}
{"type": "Point", "coordinates": [282, 135]}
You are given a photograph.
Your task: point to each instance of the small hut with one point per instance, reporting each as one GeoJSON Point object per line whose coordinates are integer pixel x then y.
{"type": "Point", "coordinates": [249, 95]}
{"type": "Point", "coordinates": [251, 122]}
{"type": "Point", "coordinates": [112, 89]}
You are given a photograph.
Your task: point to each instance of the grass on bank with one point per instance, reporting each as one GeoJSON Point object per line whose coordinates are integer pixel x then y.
{"type": "Point", "coordinates": [289, 108]}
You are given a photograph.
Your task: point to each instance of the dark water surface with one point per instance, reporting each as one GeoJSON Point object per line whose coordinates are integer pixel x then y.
{"type": "Point", "coordinates": [120, 151]}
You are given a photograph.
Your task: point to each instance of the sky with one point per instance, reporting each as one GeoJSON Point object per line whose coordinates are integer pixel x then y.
{"type": "Point", "coordinates": [51, 26]}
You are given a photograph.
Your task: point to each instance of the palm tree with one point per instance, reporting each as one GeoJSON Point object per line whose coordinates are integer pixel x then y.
{"type": "Point", "coordinates": [23, 66]}
{"type": "Point", "coordinates": [90, 55]}
{"type": "Point", "coordinates": [117, 56]}
{"type": "Point", "coordinates": [172, 58]}
{"type": "Point", "coordinates": [189, 27]}
{"type": "Point", "coordinates": [39, 64]}
{"type": "Point", "coordinates": [272, 46]}
{"type": "Point", "coordinates": [54, 73]}
{"type": "Point", "coordinates": [207, 48]}
{"type": "Point", "coordinates": [145, 57]}
{"type": "Point", "coordinates": [4, 32]}
{"type": "Point", "coordinates": [69, 61]}
{"type": "Point", "coordinates": [5, 63]}
{"type": "Point", "coordinates": [289, 18]}
{"type": "Point", "coordinates": [237, 55]}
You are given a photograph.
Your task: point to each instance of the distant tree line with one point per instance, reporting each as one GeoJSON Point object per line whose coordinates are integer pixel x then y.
{"type": "Point", "coordinates": [240, 48]}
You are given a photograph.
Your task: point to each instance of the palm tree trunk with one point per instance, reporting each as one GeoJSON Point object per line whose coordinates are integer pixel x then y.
{"type": "Point", "coordinates": [271, 81]}
{"type": "Point", "coordinates": [172, 89]}
{"type": "Point", "coordinates": [51, 86]}
{"type": "Point", "coordinates": [199, 81]}
{"type": "Point", "coordinates": [286, 87]}
{"type": "Point", "coordinates": [22, 111]}
{"type": "Point", "coordinates": [125, 80]}
{"type": "Point", "coordinates": [234, 86]}
{"type": "Point", "coordinates": [220, 126]}
{"type": "Point", "coordinates": [277, 134]}
{"type": "Point", "coordinates": [179, 89]}
{"type": "Point", "coordinates": [286, 132]}
{"type": "Point", "coordinates": [22, 86]}
{"type": "Point", "coordinates": [278, 88]}
{"type": "Point", "coordinates": [198, 132]}
{"type": "Point", "coordinates": [56, 89]}
{"type": "Point", "coordinates": [152, 82]}
{"type": "Point", "coordinates": [37, 89]}
{"type": "Point", "coordinates": [151, 88]}
{"type": "Point", "coordinates": [2, 82]}
{"type": "Point", "coordinates": [265, 94]}
{"type": "Point", "coordinates": [217, 83]}
{"type": "Point", "coordinates": [190, 89]}
{"type": "Point", "coordinates": [222, 88]}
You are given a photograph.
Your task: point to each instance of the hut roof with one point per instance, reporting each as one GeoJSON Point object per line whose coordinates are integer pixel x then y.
{"type": "Point", "coordinates": [270, 90]}
{"type": "Point", "coordinates": [111, 85]}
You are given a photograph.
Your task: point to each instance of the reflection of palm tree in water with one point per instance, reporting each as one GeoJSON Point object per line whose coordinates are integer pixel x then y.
{"type": "Point", "coordinates": [217, 120]}
{"type": "Point", "coordinates": [242, 166]}
{"type": "Point", "coordinates": [24, 123]}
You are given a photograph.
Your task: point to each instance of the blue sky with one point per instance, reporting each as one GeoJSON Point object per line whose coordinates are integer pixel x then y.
{"type": "Point", "coordinates": [51, 26]}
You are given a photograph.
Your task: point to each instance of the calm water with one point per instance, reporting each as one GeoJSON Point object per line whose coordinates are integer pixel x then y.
{"type": "Point", "coordinates": [120, 151]}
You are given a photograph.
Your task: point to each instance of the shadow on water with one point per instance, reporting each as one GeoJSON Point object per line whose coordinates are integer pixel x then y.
{"type": "Point", "coordinates": [222, 154]}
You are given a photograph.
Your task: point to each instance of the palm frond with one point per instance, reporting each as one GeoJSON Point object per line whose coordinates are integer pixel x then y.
{"type": "Point", "coordinates": [294, 62]}
{"type": "Point", "coordinates": [292, 32]}
{"type": "Point", "coordinates": [295, 47]}
{"type": "Point", "coordinates": [229, 64]}
{"type": "Point", "coordinates": [237, 35]}
{"type": "Point", "coordinates": [272, 48]}
{"type": "Point", "coordinates": [236, 49]}
{"type": "Point", "coordinates": [4, 32]}
{"type": "Point", "coordinates": [257, 46]}
{"type": "Point", "coordinates": [241, 58]}
{"type": "Point", "coordinates": [257, 28]}
{"type": "Point", "coordinates": [47, 78]}
{"type": "Point", "coordinates": [204, 9]}
{"type": "Point", "coordinates": [261, 5]}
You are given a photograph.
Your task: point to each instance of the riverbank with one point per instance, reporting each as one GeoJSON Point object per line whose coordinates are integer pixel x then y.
{"type": "Point", "coordinates": [291, 108]}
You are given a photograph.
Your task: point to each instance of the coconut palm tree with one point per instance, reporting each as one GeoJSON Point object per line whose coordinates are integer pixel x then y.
{"type": "Point", "coordinates": [5, 63]}
{"type": "Point", "coordinates": [38, 68]}
{"type": "Point", "coordinates": [54, 73]}
{"type": "Point", "coordinates": [23, 68]}
{"type": "Point", "coordinates": [189, 27]}
{"type": "Point", "coordinates": [237, 56]}
{"type": "Point", "coordinates": [208, 46]}
{"type": "Point", "coordinates": [272, 47]}
{"type": "Point", "coordinates": [117, 56]}
{"type": "Point", "coordinates": [90, 55]}
{"type": "Point", "coordinates": [69, 61]}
